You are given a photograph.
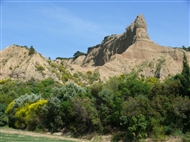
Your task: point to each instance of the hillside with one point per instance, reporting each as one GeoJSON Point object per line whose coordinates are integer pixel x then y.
{"type": "Point", "coordinates": [83, 96]}
{"type": "Point", "coordinates": [134, 50]}
{"type": "Point", "coordinates": [16, 63]}
{"type": "Point", "coordinates": [115, 55]}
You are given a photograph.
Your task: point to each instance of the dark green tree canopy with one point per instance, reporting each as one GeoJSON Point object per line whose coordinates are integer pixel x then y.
{"type": "Point", "coordinates": [78, 53]}
{"type": "Point", "coordinates": [31, 50]}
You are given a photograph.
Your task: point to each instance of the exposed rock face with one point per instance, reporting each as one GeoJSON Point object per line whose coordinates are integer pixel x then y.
{"type": "Point", "coordinates": [117, 54]}
{"type": "Point", "coordinates": [117, 44]}
{"type": "Point", "coordinates": [134, 50]}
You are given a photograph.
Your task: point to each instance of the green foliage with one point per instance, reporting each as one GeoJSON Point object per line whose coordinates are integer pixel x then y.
{"type": "Point", "coordinates": [67, 92]}
{"type": "Point", "coordinates": [40, 68]}
{"type": "Point", "coordinates": [152, 80]}
{"type": "Point", "coordinates": [129, 106]}
{"type": "Point", "coordinates": [157, 129]}
{"type": "Point", "coordinates": [77, 54]}
{"type": "Point", "coordinates": [3, 116]}
{"type": "Point", "coordinates": [138, 127]}
{"type": "Point", "coordinates": [185, 48]}
{"type": "Point", "coordinates": [186, 137]}
{"type": "Point", "coordinates": [34, 115]}
{"type": "Point", "coordinates": [16, 110]}
{"type": "Point", "coordinates": [158, 68]}
{"type": "Point", "coordinates": [28, 114]}
{"type": "Point", "coordinates": [96, 88]}
{"type": "Point", "coordinates": [52, 114]}
{"type": "Point", "coordinates": [20, 116]}
{"type": "Point", "coordinates": [134, 87]}
{"type": "Point", "coordinates": [52, 64]}
{"type": "Point", "coordinates": [31, 50]}
{"type": "Point", "coordinates": [181, 112]}
{"type": "Point", "coordinates": [92, 77]}
{"type": "Point", "coordinates": [89, 72]}
{"type": "Point", "coordinates": [62, 58]}
{"type": "Point", "coordinates": [86, 116]}
{"type": "Point", "coordinates": [184, 78]}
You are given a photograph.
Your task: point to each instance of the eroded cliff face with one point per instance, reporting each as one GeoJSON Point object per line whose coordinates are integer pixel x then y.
{"type": "Point", "coordinates": [134, 50]}
{"type": "Point", "coordinates": [117, 54]}
{"type": "Point", "coordinates": [117, 44]}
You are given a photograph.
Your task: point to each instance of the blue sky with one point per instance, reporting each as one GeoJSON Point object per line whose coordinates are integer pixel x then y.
{"type": "Point", "coordinates": [60, 28]}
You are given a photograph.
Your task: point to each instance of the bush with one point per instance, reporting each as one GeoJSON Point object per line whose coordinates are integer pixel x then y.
{"type": "Point", "coordinates": [85, 115]}
{"type": "Point", "coordinates": [17, 109]}
{"type": "Point", "coordinates": [67, 92]}
{"type": "Point", "coordinates": [31, 50]}
{"type": "Point", "coordinates": [40, 68]}
{"type": "Point", "coordinates": [77, 54]}
{"type": "Point", "coordinates": [3, 116]}
{"type": "Point", "coordinates": [138, 127]}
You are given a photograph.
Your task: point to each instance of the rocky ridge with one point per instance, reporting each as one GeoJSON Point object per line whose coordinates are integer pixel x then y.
{"type": "Point", "coordinates": [134, 50]}
{"type": "Point", "coordinates": [115, 55]}
{"type": "Point", "coordinates": [117, 44]}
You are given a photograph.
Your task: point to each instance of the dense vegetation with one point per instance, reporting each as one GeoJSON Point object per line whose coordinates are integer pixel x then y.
{"type": "Point", "coordinates": [78, 53]}
{"type": "Point", "coordinates": [128, 106]}
{"type": "Point", "coordinates": [184, 48]}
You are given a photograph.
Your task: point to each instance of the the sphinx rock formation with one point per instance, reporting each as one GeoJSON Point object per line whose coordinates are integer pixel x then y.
{"type": "Point", "coordinates": [134, 50]}
{"type": "Point", "coordinates": [117, 44]}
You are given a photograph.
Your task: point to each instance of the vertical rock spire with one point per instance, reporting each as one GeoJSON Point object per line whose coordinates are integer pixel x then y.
{"type": "Point", "coordinates": [138, 30]}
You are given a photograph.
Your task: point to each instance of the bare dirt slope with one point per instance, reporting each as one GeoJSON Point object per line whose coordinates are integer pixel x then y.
{"type": "Point", "coordinates": [15, 62]}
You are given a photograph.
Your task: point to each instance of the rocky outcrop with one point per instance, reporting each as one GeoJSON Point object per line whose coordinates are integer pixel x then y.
{"type": "Point", "coordinates": [117, 44]}
{"type": "Point", "coordinates": [134, 50]}
{"type": "Point", "coordinates": [116, 54]}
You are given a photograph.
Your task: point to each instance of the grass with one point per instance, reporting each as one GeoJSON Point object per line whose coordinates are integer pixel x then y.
{"type": "Point", "coordinates": [4, 137]}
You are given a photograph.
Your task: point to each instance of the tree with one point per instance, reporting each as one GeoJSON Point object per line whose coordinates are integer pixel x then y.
{"type": "Point", "coordinates": [184, 78]}
{"type": "Point", "coordinates": [3, 116]}
{"type": "Point", "coordinates": [185, 71]}
{"type": "Point", "coordinates": [78, 53]}
{"type": "Point", "coordinates": [31, 50]}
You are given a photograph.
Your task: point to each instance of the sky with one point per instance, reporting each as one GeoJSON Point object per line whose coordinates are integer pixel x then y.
{"type": "Point", "coordinates": [60, 28]}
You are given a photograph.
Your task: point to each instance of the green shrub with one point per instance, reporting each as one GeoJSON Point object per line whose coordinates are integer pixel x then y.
{"type": "Point", "coordinates": [31, 50]}
{"type": "Point", "coordinates": [77, 54]}
{"type": "Point", "coordinates": [138, 127]}
{"type": "Point", "coordinates": [16, 110]}
{"type": "Point", "coordinates": [3, 116]}
{"type": "Point", "coordinates": [40, 68]}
